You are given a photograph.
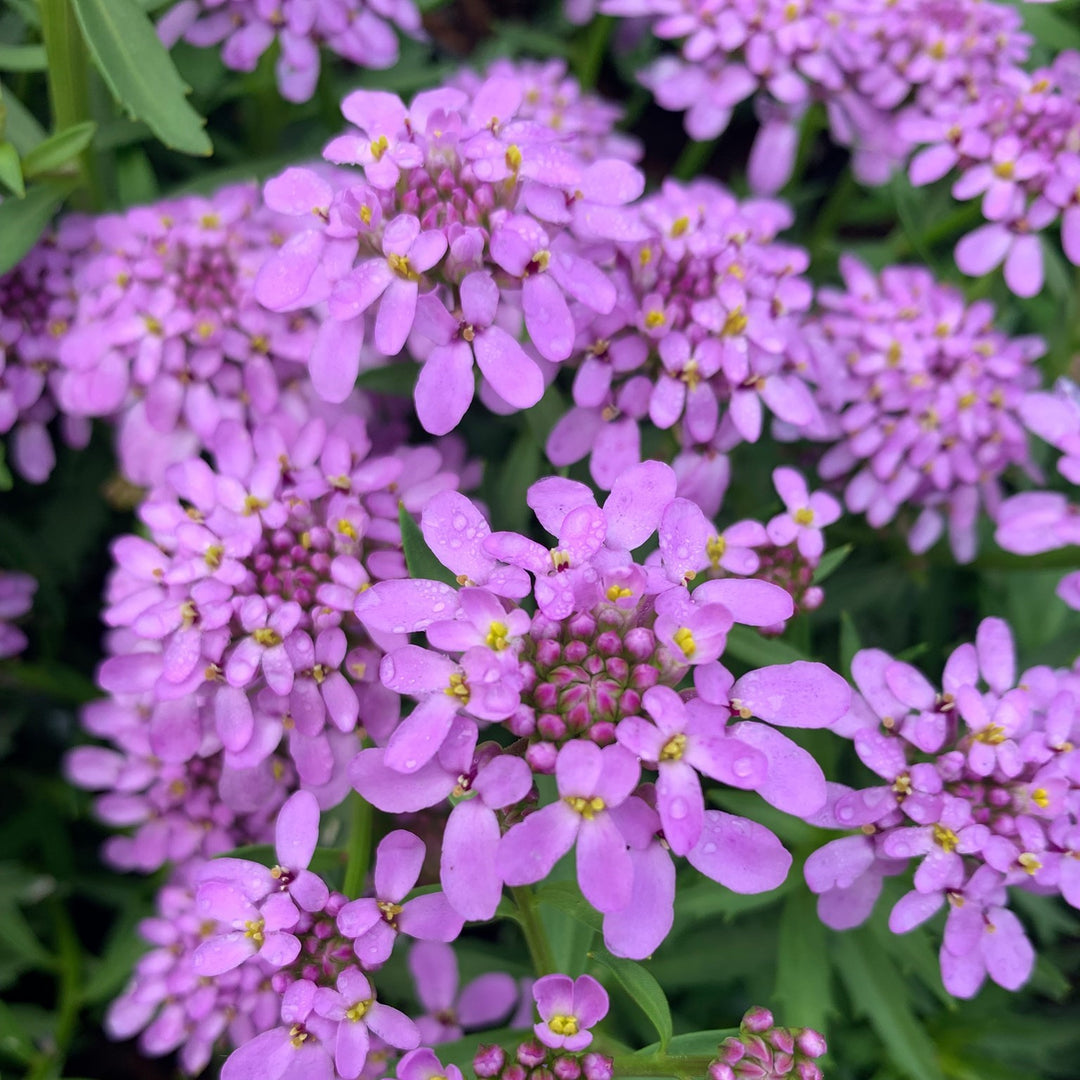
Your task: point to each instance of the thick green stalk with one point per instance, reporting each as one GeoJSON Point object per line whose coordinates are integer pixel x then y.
{"type": "Point", "coordinates": [677, 1066]}
{"type": "Point", "coordinates": [361, 823]}
{"type": "Point", "coordinates": [543, 959]}
{"type": "Point", "coordinates": [69, 81]}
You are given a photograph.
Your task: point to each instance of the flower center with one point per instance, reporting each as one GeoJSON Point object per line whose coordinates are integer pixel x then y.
{"type": "Point", "coordinates": [1030, 862]}
{"type": "Point", "coordinates": [253, 929]}
{"type": "Point", "coordinates": [587, 808]}
{"type": "Point", "coordinates": [379, 147]}
{"type": "Point", "coordinates": [993, 734]}
{"type": "Point", "coordinates": [563, 1025]}
{"type": "Point", "coordinates": [804, 516]}
{"type": "Point", "coordinates": [390, 911]}
{"type": "Point", "coordinates": [356, 1012]}
{"type": "Point", "coordinates": [497, 636]}
{"type": "Point", "coordinates": [715, 549]}
{"type": "Point", "coordinates": [685, 640]}
{"type": "Point", "coordinates": [734, 324]}
{"type": "Point", "coordinates": [400, 265]}
{"type": "Point", "coordinates": [267, 636]}
{"type": "Point", "coordinates": [297, 1035]}
{"type": "Point", "coordinates": [674, 748]}
{"type": "Point", "coordinates": [458, 688]}
{"type": "Point", "coordinates": [945, 838]}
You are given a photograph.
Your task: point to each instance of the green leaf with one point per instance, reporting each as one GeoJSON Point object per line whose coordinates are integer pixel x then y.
{"type": "Point", "coordinates": [140, 73]}
{"type": "Point", "coordinates": [803, 973]}
{"type": "Point", "coordinates": [419, 558]}
{"type": "Point", "coordinates": [1047, 27]}
{"type": "Point", "coordinates": [755, 649]}
{"type": "Point", "coordinates": [22, 58]}
{"type": "Point", "coordinates": [16, 935]}
{"type": "Point", "coordinates": [22, 221]}
{"type": "Point", "coordinates": [566, 896]}
{"type": "Point", "coordinates": [57, 150]}
{"type": "Point", "coordinates": [15, 1041]}
{"type": "Point", "coordinates": [396, 380]}
{"type": "Point", "coordinates": [642, 986]}
{"type": "Point", "coordinates": [877, 991]}
{"type": "Point", "coordinates": [850, 642]}
{"type": "Point", "coordinates": [830, 562]}
{"type": "Point", "coordinates": [19, 124]}
{"type": "Point", "coordinates": [11, 173]}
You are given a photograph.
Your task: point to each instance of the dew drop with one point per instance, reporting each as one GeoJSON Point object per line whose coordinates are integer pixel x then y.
{"type": "Point", "coordinates": [410, 764]}
{"type": "Point", "coordinates": [678, 809]}
{"type": "Point", "coordinates": [743, 767]}
{"type": "Point", "coordinates": [459, 522]}
{"type": "Point", "coordinates": [709, 848]}
{"type": "Point", "coordinates": [388, 669]}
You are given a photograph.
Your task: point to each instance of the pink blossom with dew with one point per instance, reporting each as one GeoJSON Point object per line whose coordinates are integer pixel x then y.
{"type": "Point", "coordinates": [363, 33]}
{"type": "Point", "coordinates": [574, 682]}
{"type": "Point", "coordinates": [927, 401]}
{"type": "Point", "coordinates": [16, 599]}
{"type": "Point", "coordinates": [568, 1008]}
{"type": "Point", "coordinates": [166, 337]}
{"type": "Point", "coordinates": [470, 217]}
{"type": "Point", "coordinates": [373, 923]}
{"type": "Point", "coordinates": [705, 335]}
{"type": "Point", "coordinates": [37, 305]}
{"type": "Point", "coordinates": [978, 781]}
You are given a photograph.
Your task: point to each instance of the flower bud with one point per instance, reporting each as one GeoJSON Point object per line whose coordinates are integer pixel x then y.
{"type": "Point", "coordinates": [531, 1053]}
{"type": "Point", "coordinates": [489, 1060]}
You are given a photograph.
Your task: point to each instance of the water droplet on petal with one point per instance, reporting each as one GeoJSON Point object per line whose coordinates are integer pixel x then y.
{"type": "Point", "coordinates": [709, 848]}
{"type": "Point", "coordinates": [678, 809]}
{"type": "Point", "coordinates": [459, 522]}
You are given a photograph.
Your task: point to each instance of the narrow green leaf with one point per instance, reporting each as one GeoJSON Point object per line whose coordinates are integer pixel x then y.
{"type": "Point", "coordinates": [566, 896]}
{"type": "Point", "coordinates": [642, 986]}
{"type": "Point", "coordinates": [16, 935]}
{"type": "Point", "coordinates": [803, 973]}
{"type": "Point", "coordinates": [140, 73]}
{"type": "Point", "coordinates": [419, 558]}
{"type": "Point", "coordinates": [831, 561]}
{"type": "Point", "coordinates": [22, 58]}
{"type": "Point", "coordinates": [22, 221]}
{"type": "Point", "coordinates": [850, 642]}
{"type": "Point", "coordinates": [878, 991]}
{"type": "Point", "coordinates": [15, 1041]}
{"type": "Point", "coordinates": [57, 150]}
{"type": "Point", "coordinates": [694, 1043]}
{"type": "Point", "coordinates": [19, 124]}
{"type": "Point", "coordinates": [11, 173]}
{"type": "Point", "coordinates": [753, 648]}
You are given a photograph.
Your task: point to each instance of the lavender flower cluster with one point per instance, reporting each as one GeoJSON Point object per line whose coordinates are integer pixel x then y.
{"type": "Point", "coordinates": [363, 32]}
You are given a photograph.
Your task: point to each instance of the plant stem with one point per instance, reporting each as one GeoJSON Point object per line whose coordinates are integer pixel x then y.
{"type": "Point", "coordinates": [68, 993]}
{"type": "Point", "coordinates": [359, 848]}
{"type": "Point", "coordinates": [535, 936]}
{"type": "Point", "coordinates": [678, 1066]}
{"type": "Point", "coordinates": [69, 82]}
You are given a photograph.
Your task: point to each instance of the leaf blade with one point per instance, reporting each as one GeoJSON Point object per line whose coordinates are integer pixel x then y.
{"type": "Point", "coordinates": [643, 988]}
{"type": "Point", "coordinates": [140, 73]}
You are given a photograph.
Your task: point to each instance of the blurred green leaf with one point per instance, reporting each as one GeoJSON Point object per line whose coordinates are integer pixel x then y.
{"type": "Point", "coordinates": [1047, 27]}
{"type": "Point", "coordinates": [22, 57]}
{"type": "Point", "coordinates": [19, 123]}
{"type": "Point", "coordinates": [831, 562]}
{"type": "Point", "coordinates": [878, 992]}
{"type": "Point", "coordinates": [643, 988]}
{"type": "Point", "coordinates": [11, 173]}
{"type": "Point", "coordinates": [850, 643]}
{"type": "Point", "coordinates": [57, 150]}
{"type": "Point", "coordinates": [753, 648]}
{"type": "Point", "coordinates": [140, 73]}
{"type": "Point", "coordinates": [397, 380]}
{"type": "Point", "coordinates": [15, 1042]}
{"type": "Point", "coordinates": [419, 558]}
{"type": "Point", "coordinates": [803, 972]}
{"type": "Point", "coordinates": [19, 938]}
{"type": "Point", "coordinates": [22, 221]}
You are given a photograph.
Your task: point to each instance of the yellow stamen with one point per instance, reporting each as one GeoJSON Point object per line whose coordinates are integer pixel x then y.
{"type": "Point", "coordinates": [356, 1012]}
{"type": "Point", "coordinates": [1030, 862]}
{"type": "Point", "coordinates": [674, 748]}
{"type": "Point", "coordinates": [253, 503]}
{"type": "Point", "coordinates": [734, 324]}
{"type": "Point", "coordinates": [253, 929]}
{"type": "Point", "coordinates": [458, 688]}
{"type": "Point", "coordinates": [618, 592]}
{"type": "Point", "coordinates": [804, 516]}
{"type": "Point", "coordinates": [680, 225]}
{"type": "Point", "coordinates": [267, 636]}
{"type": "Point", "coordinates": [654, 319]}
{"type": "Point", "coordinates": [400, 265]}
{"type": "Point", "coordinates": [212, 558]}
{"type": "Point", "coordinates": [497, 636]}
{"type": "Point", "coordinates": [945, 838]}
{"type": "Point", "coordinates": [379, 147]}
{"type": "Point", "coordinates": [563, 1025]}
{"type": "Point", "coordinates": [992, 734]}
{"type": "Point", "coordinates": [587, 808]}
{"type": "Point", "coordinates": [715, 549]}
{"type": "Point", "coordinates": [685, 640]}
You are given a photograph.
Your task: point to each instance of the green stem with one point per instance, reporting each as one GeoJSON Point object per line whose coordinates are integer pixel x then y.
{"type": "Point", "coordinates": [536, 938]}
{"type": "Point", "coordinates": [832, 212]}
{"type": "Point", "coordinates": [69, 81]}
{"type": "Point", "coordinates": [678, 1066]}
{"type": "Point", "coordinates": [360, 830]}
{"type": "Point", "coordinates": [694, 157]}
{"type": "Point", "coordinates": [593, 48]}
{"type": "Point", "coordinates": [69, 977]}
